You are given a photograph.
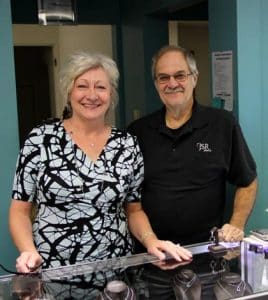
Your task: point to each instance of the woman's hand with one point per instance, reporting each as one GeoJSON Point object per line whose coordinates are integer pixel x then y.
{"type": "Point", "coordinates": [140, 227]}
{"type": "Point", "coordinates": [170, 264]}
{"type": "Point", "coordinates": [28, 261]}
{"type": "Point", "coordinates": [164, 249]}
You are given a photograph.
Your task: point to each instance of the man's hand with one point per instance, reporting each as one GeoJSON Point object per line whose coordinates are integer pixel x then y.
{"type": "Point", "coordinates": [230, 233]}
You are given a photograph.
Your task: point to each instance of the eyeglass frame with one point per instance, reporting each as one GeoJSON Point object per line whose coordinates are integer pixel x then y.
{"type": "Point", "coordinates": [185, 77]}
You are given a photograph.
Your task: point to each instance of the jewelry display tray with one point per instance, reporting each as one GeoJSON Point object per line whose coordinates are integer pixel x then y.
{"type": "Point", "coordinates": [143, 276]}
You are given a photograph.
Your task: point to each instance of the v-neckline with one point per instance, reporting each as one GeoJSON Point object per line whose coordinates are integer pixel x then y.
{"type": "Point", "coordinates": [76, 147]}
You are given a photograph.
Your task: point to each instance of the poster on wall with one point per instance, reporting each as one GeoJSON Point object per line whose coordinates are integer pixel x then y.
{"type": "Point", "coordinates": [222, 78]}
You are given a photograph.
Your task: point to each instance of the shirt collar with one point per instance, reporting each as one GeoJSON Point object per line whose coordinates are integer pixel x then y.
{"type": "Point", "coordinates": [197, 120]}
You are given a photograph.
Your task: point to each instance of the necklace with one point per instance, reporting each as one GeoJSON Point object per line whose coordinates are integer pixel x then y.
{"type": "Point", "coordinates": [232, 289]}
{"type": "Point", "coordinates": [94, 142]}
{"type": "Point", "coordinates": [91, 144]}
{"type": "Point", "coordinates": [101, 201]}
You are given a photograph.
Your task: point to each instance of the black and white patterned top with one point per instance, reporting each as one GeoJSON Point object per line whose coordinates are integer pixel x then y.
{"type": "Point", "coordinates": [80, 213]}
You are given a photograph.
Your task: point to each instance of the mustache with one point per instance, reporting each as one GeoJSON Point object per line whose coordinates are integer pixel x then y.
{"type": "Point", "coordinates": [170, 90]}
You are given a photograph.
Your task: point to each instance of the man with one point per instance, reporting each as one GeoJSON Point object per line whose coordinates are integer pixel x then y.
{"type": "Point", "coordinates": [190, 153]}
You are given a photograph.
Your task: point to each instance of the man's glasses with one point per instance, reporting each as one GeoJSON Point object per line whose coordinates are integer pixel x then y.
{"type": "Point", "coordinates": [179, 77]}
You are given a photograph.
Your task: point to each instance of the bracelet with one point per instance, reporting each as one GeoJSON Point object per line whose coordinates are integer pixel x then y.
{"type": "Point", "coordinates": [145, 235]}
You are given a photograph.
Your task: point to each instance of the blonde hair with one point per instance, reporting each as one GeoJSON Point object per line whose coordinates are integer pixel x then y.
{"type": "Point", "coordinates": [78, 63]}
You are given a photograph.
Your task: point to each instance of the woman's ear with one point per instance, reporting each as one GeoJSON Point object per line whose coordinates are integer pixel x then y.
{"type": "Point", "coordinates": [155, 84]}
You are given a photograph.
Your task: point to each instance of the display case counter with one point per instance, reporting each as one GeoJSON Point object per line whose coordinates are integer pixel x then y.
{"type": "Point", "coordinates": [222, 271]}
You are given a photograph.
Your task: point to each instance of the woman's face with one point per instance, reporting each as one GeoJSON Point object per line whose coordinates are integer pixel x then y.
{"type": "Point", "coordinates": [91, 95]}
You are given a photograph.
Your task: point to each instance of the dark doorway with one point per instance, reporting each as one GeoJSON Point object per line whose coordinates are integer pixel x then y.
{"type": "Point", "coordinates": [33, 88]}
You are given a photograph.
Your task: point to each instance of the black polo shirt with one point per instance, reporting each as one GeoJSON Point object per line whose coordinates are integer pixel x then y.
{"type": "Point", "coordinates": [186, 171]}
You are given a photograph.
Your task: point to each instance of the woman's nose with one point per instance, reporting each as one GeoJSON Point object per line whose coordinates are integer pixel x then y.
{"type": "Point", "coordinates": [92, 94]}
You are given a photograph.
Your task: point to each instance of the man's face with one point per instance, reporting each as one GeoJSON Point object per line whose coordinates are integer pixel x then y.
{"type": "Point", "coordinates": [174, 91]}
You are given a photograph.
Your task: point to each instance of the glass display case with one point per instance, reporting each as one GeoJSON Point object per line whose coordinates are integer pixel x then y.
{"type": "Point", "coordinates": [254, 263]}
{"type": "Point", "coordinates": [217, 271]}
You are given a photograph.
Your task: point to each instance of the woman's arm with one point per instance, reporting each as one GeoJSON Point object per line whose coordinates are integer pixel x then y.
{"type": "Point", "coordinates": [140, 227]}
{"type": "Point", "coordinates": [20, 227]}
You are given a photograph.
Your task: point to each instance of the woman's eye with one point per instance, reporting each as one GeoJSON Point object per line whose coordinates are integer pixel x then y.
{"type": "Point", "coordinates": [81, 86]}
{"type": "Point", "coordinates": [100, 87]}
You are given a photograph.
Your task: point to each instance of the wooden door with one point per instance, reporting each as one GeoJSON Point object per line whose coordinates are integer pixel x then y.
{"type": "Point", "coordinates": [32, 84]}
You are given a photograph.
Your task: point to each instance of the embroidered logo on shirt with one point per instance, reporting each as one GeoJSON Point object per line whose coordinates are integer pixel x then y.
{"type": "Point", "coordinates": [203, 147]}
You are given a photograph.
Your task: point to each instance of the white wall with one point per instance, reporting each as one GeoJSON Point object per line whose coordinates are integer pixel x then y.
{"type": "Point", "coordinates": [64, 40]}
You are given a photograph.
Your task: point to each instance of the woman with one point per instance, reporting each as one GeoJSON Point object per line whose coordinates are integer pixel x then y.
{"type": "Point", "coordinates": [84, 176]}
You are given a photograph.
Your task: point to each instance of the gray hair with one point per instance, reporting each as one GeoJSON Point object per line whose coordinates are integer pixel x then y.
{"type": "Point", "coordinates": [78, 63]}
{"type": "Point", "coordinates": [189, 57]}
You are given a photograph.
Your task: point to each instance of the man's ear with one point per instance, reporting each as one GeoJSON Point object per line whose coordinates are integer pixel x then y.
{"type": "Point", "coordinates": [195, 78]}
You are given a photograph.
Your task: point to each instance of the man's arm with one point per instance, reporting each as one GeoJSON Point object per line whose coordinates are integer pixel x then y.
{"type": "Point", "coordinates": [243, 204]}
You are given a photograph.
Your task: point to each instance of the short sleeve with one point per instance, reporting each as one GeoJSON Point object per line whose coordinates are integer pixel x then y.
{"type": "Point", "coordinates": [28, 163]}
{"type": "Point", "coordinates": [242, 169]}
{"type": "Point", "coordinates": [137, 176]}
